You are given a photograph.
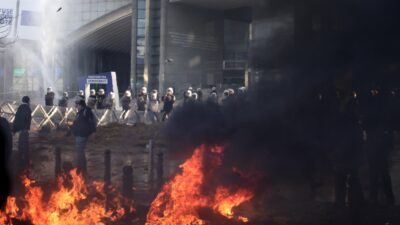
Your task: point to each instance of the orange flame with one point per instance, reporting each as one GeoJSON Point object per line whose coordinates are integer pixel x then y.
{"type": "Point", "coordinates": [181, 198]}
{"type": "Point", "coordinates": [67, 206]}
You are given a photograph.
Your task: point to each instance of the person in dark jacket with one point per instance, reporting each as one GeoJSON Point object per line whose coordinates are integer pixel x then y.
{"type": "Point", "coordinates": [169, 100]}
{"type": "Point", "coordinates": [5, 153]}
{"type": "Point", "coordinates": [49, 97]}
{"type": "Point", "coordinates": [83, 126]}
{"type": "Point", "coordinates": [22, 124]}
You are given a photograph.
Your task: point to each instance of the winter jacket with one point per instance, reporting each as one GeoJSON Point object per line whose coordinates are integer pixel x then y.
{"type": "Point", "coordinates": [23, 118]}
{"type": "Point", "coordinates": [84, 124]}
{"type": "Point", "coordinates": [49, 98]}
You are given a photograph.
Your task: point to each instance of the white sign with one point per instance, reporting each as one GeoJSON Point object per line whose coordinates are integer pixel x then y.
{"type": "Point", "coordinates": [97, 81]}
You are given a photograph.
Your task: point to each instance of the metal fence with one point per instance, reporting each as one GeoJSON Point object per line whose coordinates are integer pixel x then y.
{"type": "Point", "coordinates": [56, 116]}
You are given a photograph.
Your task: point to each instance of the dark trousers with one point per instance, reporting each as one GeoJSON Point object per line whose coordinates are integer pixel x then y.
{"type": "Point", "coordinates": [23, 150]}
{"type": "Point", "coordinates": [80, 147]}
{"type": "Point", "coordinates": [347, 184]}
{"type": "Point", "coordinates": [379, 146]}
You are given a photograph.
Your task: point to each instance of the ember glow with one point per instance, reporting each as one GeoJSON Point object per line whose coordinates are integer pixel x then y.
{"type": "Point", "coordinates": [180, 199]}
{"type": "Point", "coordinates": [74, 203]}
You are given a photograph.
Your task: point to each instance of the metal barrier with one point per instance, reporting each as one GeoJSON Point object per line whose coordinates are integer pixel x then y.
{"type": "Point", "coordinates": [55, 116]}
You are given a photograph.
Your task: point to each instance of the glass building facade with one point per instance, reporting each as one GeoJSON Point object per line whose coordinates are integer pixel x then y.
{"type": "Point", "coordinates": [140, 41]}
{"type": "Point", "coordinates": [81, 12]}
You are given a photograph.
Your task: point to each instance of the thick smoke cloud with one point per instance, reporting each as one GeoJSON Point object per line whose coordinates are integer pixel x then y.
{"type": "Point", "coordinates": [277, 128]}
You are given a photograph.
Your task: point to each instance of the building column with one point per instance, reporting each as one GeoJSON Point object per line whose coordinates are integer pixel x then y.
{"type": "Point", "coordinates": [147, 37]}
{"type": "Point", "coordinates": [163, 42]}
{"type": "Point", "coordinates": [133, 77]}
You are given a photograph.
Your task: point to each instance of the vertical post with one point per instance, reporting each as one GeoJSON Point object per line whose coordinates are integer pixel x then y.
{"type": "Point", "coordinates": [127, 180]}
{"type": "Point", "coordinates": [107, 166]}
{"type": "Point", "coordinates": [107, 177]}
{"type": "Point", "coordinates": [160, 169]}
{"type": "Point", "coordinates": [150, 162]}
{"type": "Point", "coordinates": [163, 38]}
{"type": "Point", "coordinates": [57, 169]}
{"type": "Point", "coordinates": [134, 45]}
{"type": "Point", "coordinates": [147, 38]}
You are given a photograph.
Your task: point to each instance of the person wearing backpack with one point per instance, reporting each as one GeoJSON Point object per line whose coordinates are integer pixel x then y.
{"type": "Point", "coordinates": [83, 126]}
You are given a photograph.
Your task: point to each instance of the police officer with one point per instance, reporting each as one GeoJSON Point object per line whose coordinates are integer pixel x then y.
{"type": "Point", "coordinates": [110, 101]}
{"type": "Point", "coordinates": [80, 96]}
{"type": "Point", "coordinates": [101, 97]}
{"type": "Point", "coordinates": [154, 106]}
{"type": "Point", "coordinates": [63, 102]}
{"type": "Point", "coordinates": [49, 97]}
{"type": "Point", "coordinates": [199, 94]}
{"type": "Point", "coordinates": [126, 100]}
{"type": "Point", "coordinates": [169, 100]}
{"type": "Point", "coordinates": [92, 100]}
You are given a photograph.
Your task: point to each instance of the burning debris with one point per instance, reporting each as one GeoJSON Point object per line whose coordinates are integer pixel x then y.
{"type": "Point", "coordinates": [74, 202]}
{"type": "Point", "coordinates": [181, 199]}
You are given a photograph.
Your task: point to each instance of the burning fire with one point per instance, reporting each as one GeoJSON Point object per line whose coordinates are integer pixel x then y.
{"type": "Point", "coordinates": [74, 203]}
{"type": "Point", "coordinates": [180, 199]}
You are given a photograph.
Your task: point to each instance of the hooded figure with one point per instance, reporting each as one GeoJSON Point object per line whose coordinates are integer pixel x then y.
{"type": "Point", "coordinates": [49, 97]}
{"type": "Point", "coordinates": [101, 97]}
{"type": "Point", "coordinates": [63, 102]}
{"type": "Point", "coordinates": [92, 100]}
{"type": "Point", "coordinates": [22, 124]}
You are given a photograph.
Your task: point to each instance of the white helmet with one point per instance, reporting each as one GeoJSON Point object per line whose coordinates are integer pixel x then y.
{"type": "Point", "coordinates": [231, 91]}
{"type": "Point", "coordinates": [92, 92]}
{"type": "Point", "coordinates": [170, 91]}
{"type": "Point", "coordinates": [213, 95]}
{"type": "Point", "coordinates": [194, 96]}
{"type": "Point", "coordinates": [128, 93]}
{"type": "Point", "coordinates": [49, 89]}
{"type": "Point", "coordinates": [190, 89]}
{"type": "Point", "coordinates": [153, 96]}
{"type": "Point", "coordinates": [112, 95]}
{"type": "Point", "coordinates": [188, 93]}
{"type": "Point", "coordinates": [101, 91]}
{"type": "Point", "coordinates": [226, 92]}
{"type": "Point", "coordinates": [65, 94]}
{"type": "Point", "coordinates": [143, 90]}
{"type": "Point", "coordinates": [81, 92]}
{"type": "Point", "coordinates": [213, 88]}
{"type": "Point", "coordinates": [242, 90]}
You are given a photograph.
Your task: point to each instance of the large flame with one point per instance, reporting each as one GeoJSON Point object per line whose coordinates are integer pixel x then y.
{"type": "Point", "coordinates": [74, 203]}
{"type": "Point", "coordinates": [180, 199]}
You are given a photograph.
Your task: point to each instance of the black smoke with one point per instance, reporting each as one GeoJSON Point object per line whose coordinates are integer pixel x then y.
{"type": "Point", "coordinates": [280, 127]}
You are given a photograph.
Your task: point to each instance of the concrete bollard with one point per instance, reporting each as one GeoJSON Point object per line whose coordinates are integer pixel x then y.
{"type": "Point", "coordinates": [57, 165]}
{"type": "Point", "coordinates": [127, 181]}
{"type": "Point", "coordinates": [160, 169]}
{"type": "Point", "coordinates": [107, 166]}
{"type": "Point", "coordinates": [150, 162]}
